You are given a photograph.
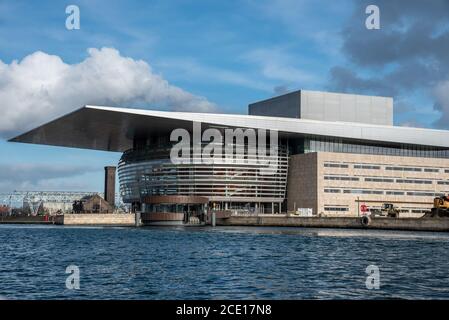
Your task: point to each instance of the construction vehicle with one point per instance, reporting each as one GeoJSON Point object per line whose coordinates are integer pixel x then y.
{"type": "Point", "coordinates": [440, 208]}
{"type": "Point", "coordinates": [387, 210]}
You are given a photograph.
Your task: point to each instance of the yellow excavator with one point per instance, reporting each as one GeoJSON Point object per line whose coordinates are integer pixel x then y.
{"type": "Point", "coordinates": [440, 208]}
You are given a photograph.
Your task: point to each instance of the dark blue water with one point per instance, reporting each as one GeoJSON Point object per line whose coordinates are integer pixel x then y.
{"type": "Point", "coordinates": [220, 263]}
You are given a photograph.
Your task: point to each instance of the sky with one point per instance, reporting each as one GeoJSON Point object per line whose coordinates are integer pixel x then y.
{"type": "Point", "coordinates": [204, 56]}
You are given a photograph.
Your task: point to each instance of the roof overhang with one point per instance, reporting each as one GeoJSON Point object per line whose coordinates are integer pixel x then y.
{"type": "Point", "coordinates": [113, 129]}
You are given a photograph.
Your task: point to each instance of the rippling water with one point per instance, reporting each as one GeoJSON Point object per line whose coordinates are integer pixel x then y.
{"type": "Point", "coordinates": [220, 263]}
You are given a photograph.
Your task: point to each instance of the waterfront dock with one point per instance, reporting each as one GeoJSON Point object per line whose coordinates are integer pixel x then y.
{"type": "Point", "coordinates": [97, 219]}
{"type": "Point", "coordinates": [382, 223]}
{"type": "Point", "coordinates": [26, 220]}
{"type": "Point", "coordinates": [90, 219]}
{"type": "Point", "coordinates": [261, 220]}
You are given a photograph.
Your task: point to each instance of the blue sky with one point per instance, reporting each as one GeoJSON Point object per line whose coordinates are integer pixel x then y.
{"type": "Point", "coordinates": [223, 53]}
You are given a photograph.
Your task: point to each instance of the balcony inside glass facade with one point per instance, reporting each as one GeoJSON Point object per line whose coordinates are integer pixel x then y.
{"type": "Point", "coordinates": [334, 144]}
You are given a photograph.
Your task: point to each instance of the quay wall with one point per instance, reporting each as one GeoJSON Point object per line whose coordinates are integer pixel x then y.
{"type": "Point", "coordinates": [412, 224]}
{"type": "Point", "coordinates": [26, 220]}
{"type": "Point", "coordinates": [110, 219]}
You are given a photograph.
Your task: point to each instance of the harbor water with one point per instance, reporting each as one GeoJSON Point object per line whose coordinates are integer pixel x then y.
{"type": "Point", "coordinates": [220, 263]}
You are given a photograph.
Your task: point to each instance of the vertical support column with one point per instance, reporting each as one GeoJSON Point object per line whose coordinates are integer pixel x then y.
{"type": "Point", "coordinates": [138, 219]}
{"type": "Point", "coordinates": [213, 219]}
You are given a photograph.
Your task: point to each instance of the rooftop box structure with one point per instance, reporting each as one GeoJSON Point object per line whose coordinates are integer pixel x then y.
{"type": "Point", "coordinates": [327, 106]}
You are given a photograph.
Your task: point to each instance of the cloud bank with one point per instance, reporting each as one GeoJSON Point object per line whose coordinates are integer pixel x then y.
{"type": "Point", "coordinates": [42, 86]}
{"type": "Point", "coordinates": [409, 54]}
{"type": "Point", "coordinates": [41, 176]}
{"type": "Point", "coordinates": [441, 94]}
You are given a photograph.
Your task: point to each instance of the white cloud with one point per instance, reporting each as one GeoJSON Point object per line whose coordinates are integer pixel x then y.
{"type": "Point", "coordinates": [190, 69]}
{"type": "Point", "coordinates": [276, 64]}
{"type": "Point", "coordinates": [44, 176]}
{"type": "Point", "coordinates": [42, 86]}
{"type": "Point", "coordinates": [301, 19]}
{"type": "Point", "coordinates": [441, 94]}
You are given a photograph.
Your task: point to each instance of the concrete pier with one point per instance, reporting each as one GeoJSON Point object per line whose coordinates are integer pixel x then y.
{"type": "Point", "coordinates": [226, 219]}
{"type": "Point", "coordinates": [26, 220]}
{"type": "Point", "coordinates": [110, 219]}
{"type": "Point", "coordinates": [280, 220]}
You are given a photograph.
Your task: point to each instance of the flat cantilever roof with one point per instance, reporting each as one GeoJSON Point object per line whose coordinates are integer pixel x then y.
{"type": "Point", "coordinates": [113, 129]}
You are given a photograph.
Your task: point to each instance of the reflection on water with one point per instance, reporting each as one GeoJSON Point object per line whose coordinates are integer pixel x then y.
{"type": "Point", "coordinates": [330, 232]}
{"type": "Point", "coordinates": [220, 263]}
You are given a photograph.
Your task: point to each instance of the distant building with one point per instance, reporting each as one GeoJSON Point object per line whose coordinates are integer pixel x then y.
{"type": "Point", "coordinates": [337, 152]}
{"type": "Point", "coordinates": [4, 210]}
{"type": "Point", "coordinates": [43, 202]}
{"type": "Point", "coordinates": [92, 204]}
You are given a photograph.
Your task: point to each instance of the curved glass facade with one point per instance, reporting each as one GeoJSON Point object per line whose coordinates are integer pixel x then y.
{"type": "Point", "coordinates": [150, 172]}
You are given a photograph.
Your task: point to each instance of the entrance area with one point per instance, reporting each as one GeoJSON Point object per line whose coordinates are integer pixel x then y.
{"type": "Point", "coordinates": [174, 209]}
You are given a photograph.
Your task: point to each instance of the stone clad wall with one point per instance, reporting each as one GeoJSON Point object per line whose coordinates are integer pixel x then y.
{"type": "Point", "coordinates": [302, 183]}
{"type": "Point", "coordinates": [404, 201]}
{"type": "Point", "coordinates": [127, 219]}
{"type": "Point", "coordinates": [364, 179]}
